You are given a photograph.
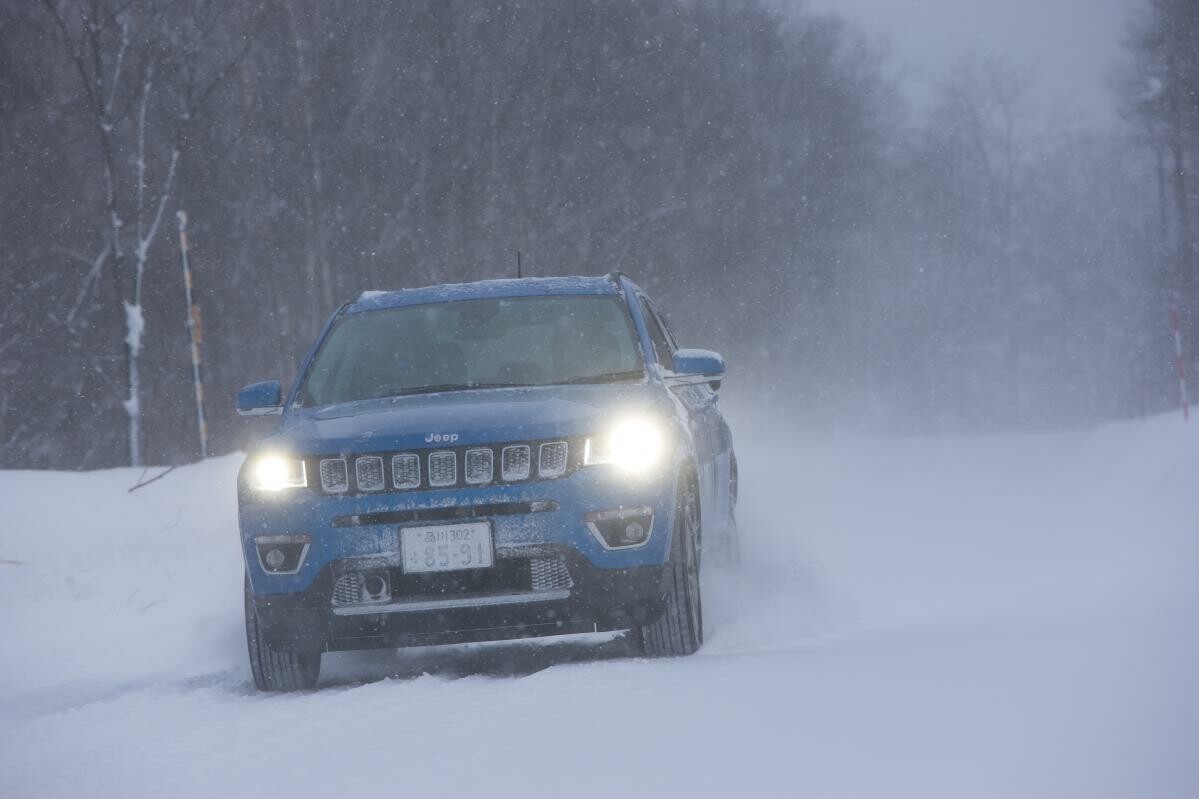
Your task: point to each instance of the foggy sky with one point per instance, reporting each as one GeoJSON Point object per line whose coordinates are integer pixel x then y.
{"type": "Point", "coordinates": [1071, 45]}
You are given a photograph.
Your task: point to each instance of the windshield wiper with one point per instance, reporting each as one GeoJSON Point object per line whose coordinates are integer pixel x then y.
{"type": "Point", "coordinates": [602, 377]}
{"type": "Point", "coordinates": [434, 389]}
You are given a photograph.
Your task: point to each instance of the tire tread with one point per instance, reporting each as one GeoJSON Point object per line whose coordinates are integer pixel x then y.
{"type": "Point", "coordinates": [276, 670]}
{"type": "Point", "coordinates": [676, 633]}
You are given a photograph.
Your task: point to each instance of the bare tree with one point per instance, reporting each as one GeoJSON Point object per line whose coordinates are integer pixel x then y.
{"type": "Point", "coordinates": [145, 72]}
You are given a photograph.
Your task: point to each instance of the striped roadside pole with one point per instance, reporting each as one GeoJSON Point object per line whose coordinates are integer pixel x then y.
{"type": "Point", "coordinates": [197, 333]}
{"type": "Point", "coordinates": [1176, 323]}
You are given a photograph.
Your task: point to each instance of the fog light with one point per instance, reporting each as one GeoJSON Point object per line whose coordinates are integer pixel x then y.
{"type": "Point", "coordinates": [282, 554]}
{"type": "Point", "coordinates": [375, 585]}
{"type": "Point", "coordinates": [621, 528]}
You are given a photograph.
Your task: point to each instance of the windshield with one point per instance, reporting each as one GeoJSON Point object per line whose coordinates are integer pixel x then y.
{"type": "Point", "coordinates": [511, 341]}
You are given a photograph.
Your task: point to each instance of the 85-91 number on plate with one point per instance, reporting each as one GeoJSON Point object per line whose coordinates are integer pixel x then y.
{"type": "Point", "coordinates": [447, 547]}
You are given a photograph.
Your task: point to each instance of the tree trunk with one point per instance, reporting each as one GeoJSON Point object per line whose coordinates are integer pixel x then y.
{"type": "Point", "coordinates": [1187, 297]}
{"type": "Point", "coordinates": [316, 262]}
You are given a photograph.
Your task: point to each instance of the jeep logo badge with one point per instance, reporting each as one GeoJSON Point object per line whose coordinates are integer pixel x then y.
{"type": "Point", "coordinates": [441, 438]}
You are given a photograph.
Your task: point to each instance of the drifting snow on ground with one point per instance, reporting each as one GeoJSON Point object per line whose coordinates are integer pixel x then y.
{"type": "Point", "coordinates": [1006, 617]}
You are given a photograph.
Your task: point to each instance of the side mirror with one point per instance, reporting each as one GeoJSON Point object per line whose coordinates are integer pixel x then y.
{"type": "Point", "coordinates": [697, 366]}
{"type": "Point", "coordinates": [260, 399]}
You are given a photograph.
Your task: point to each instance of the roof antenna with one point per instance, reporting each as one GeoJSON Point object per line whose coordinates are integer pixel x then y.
{"type": "Point", "coordinates": [518, 263]}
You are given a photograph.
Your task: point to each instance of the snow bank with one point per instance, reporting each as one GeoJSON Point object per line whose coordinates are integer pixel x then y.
{"type": "Point", "coordinates": [914, 617]}
{"type": "Point", "coordinates": [102, 587]}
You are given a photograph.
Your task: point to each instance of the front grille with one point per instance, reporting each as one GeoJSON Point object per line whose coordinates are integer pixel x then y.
{"type": "Point", "coordinates": [446, 468]}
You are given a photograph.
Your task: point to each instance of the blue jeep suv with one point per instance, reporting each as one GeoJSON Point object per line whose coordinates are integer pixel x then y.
{"type": "Point", "coordinates": [484, 461]}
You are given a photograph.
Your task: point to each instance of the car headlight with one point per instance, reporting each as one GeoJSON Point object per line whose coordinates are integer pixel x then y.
{"type": "Point", "coordinates": [277, 472]}
{"type": "Point", "coordinates": [633, 445]}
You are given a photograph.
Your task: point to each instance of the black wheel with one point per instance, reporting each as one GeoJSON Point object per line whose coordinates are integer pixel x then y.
{"type": "Point", "coordinates": [276, 670]}
{"type": "Point", "coordinates": [680, 630]}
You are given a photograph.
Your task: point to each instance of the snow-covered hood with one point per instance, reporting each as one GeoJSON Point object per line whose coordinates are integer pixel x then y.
{"type": "Point", "coordinates": [460, 417]}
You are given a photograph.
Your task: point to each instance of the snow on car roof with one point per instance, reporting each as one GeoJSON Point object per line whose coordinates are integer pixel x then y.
{"type": "Point", "coordinates": [483, 289]}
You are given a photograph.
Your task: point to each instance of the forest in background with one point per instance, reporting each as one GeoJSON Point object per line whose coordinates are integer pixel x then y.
{"type": "Point", "coordinates": [988, 265]}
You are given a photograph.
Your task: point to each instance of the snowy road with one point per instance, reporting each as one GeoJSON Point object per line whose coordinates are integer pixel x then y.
{"type": "Point", "coordinates": [965, 617]}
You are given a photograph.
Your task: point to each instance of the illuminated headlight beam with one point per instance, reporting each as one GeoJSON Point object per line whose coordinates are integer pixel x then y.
{"type": "Point", "coordinates": [634, 445]}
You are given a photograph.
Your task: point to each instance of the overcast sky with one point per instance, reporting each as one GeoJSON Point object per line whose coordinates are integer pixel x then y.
{"type": "Point", "coordinates": [1073, 45]}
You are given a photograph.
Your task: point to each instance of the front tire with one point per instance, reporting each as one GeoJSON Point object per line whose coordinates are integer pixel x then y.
{"type": "Point", "coordinates": [276, 670]}
{"type": "Point", "coordinates": [680, 630]}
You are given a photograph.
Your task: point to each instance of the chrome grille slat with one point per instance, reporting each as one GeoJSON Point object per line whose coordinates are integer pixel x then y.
{"type": "Point", "coordinates": [405, 471]}
{"type": "Point", "coordinates": [551, 459]}
{"type": "Point", "coordinates": [479, 466]}
{"type": "Point", "coordinates": [368, 471]}
{"type": "Point", "coordinates": [334, 477]}
{"type": "Point", "coordinates": [515, 462]}
{"type": "Point", "coordinates": [443, 469]}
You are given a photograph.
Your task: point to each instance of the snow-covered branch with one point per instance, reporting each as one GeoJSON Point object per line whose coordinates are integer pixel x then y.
{"type": "Point", "coordinates": [89, 279]}
{"type": "Point", "coordinates": [116, 70]}
{"type": "Point", "coordinates": [143, 244]}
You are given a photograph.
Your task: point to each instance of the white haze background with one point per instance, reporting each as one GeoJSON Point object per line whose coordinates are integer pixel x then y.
{"type": "Point", "coordinates": [1073, 47]}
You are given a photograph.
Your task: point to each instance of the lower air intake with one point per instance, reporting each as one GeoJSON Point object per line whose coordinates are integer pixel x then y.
{"type": "Point", "coordinates": [547, 574]}
{"type": "Point", "coordinates": [348, 589]}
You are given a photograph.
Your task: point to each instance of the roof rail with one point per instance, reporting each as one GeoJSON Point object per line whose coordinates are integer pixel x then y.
{"type": "Point", "coordinates": [615, 275]}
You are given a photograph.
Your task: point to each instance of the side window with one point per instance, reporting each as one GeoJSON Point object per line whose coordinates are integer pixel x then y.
{"type": "Point", "coordinates": [670, 339]}
{"type": "Point", "coordinates": [662, 348]}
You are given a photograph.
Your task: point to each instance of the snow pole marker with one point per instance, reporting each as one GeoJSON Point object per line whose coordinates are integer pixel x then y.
{"type": "Point", "coordinates": [1176, 323]}
{"type": "Point", "coordinates": [197, 334]}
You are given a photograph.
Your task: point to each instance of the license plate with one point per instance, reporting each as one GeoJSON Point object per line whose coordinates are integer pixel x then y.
{"type": "Point", "coordinates": [447, 547]}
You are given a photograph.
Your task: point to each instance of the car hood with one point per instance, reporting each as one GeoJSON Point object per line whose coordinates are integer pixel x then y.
{"type": "Point", "coordinates": [480, 416]}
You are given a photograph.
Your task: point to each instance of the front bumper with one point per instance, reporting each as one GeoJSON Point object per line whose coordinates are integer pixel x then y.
{"type": "Point", "coordinates": [609, 589]}
{"type": "Point", "coordinates": [597, 600]}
